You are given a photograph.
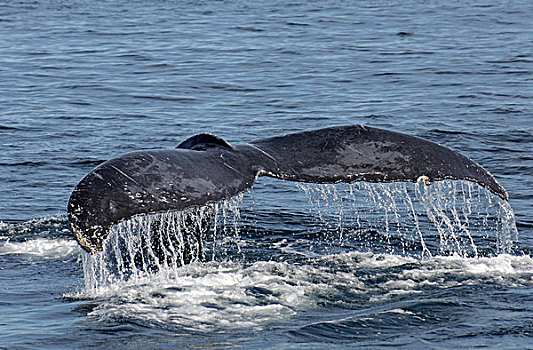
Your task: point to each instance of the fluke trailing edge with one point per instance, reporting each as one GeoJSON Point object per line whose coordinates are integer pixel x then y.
{"type": "Point", "coordinates": [206, 169]}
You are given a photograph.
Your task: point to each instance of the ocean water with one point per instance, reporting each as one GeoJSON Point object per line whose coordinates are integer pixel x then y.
{"type": "Point", "coordinates": [287, 266]}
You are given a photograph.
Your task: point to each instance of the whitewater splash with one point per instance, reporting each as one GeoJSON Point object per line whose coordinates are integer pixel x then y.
{"type": "Point", "coordinates": [416, 238]}
{"type": "Point", "coordinates": [397, 214]}
{"type": "Point", "coordinates": [448, 218]}
{"type": "Point", "coordinates": [212, 296]}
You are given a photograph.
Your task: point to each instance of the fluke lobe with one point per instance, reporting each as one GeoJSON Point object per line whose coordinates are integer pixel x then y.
{"type": "Point", "coordinates": [206, 169]}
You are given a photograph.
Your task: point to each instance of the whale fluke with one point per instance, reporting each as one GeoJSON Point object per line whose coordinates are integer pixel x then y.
{"type": "Point", "coordinates": [206, 169]}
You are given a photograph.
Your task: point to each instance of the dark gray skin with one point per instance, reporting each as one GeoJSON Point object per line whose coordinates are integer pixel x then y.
{"type": "Point", "coordinates": [205, 169]}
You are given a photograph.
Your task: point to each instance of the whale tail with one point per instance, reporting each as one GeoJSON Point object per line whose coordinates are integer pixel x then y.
{"type": "Point", "coordinates": [206, 169]}
{"type": "Point", "coordinates": [360, 153]}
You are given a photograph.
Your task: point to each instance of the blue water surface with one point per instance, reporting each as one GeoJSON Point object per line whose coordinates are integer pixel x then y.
{"type": "Point", "coordinates": [84, 81]}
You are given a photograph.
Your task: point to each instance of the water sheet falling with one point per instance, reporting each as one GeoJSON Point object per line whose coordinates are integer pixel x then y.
{"type": "Point", "coordinates": [445, 218]}
{"type": "Point", "coordinates": [353, 246]}
{"type": "Point", "coordinates": [162, 243]}
{"type": "Point", "coordinates": [449, 218]}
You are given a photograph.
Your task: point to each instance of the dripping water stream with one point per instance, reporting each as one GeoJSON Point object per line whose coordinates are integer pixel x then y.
{"type": "Point", "coordinates": [449, 218]}
{"type": "Point", "coordinates": [348, 249]}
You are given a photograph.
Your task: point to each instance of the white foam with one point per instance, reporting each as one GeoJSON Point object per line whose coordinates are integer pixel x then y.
{"type": "Point", "coordinates": [503, 265]}
{"type": "Point", "coordinates": [215, 295]}
{"type": "Point", "coordinates": [203, 296]}
{"type": "Point", "coordinates": [207, 296]}
{"type": "Point", "coordinates": [42, 247]}
{"type": "Point", "coordinates": [399, 311]}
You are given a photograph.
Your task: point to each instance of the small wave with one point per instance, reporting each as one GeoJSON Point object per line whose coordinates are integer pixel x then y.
{"type": "Point", "coordinates": [7, 127]}
{"type": "Point", "coordinates": [41, 247]}
{"type": "Point", "coordinates": [87, 162]}
{"type": "Point", "coordinates": [55, 226]}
